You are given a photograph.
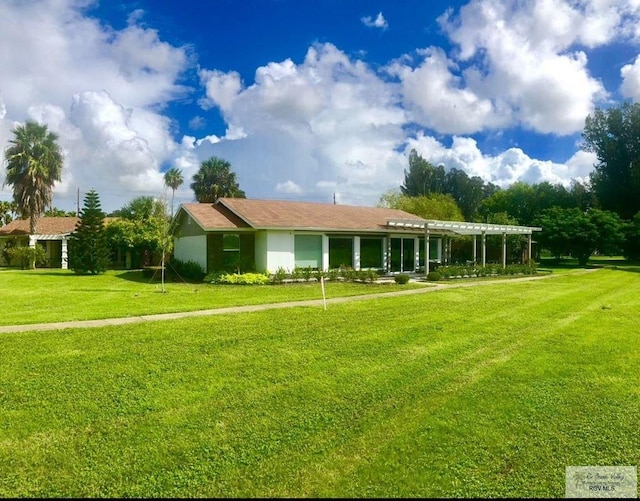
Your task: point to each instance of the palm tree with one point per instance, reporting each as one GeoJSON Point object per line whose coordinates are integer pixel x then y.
{"type": "Point", "coordinates": [34, 163]}
{"type": "Point", "coordinates": [214, 180]}
{"type": "Point", "coordinates": [173, 179]}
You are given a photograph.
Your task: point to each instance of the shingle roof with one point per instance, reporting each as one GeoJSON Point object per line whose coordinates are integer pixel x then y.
{"type": "Point", "coordinates": [213, 217]}
{"type": "Point", "coordinates": [46, 226]}
{"type": "Point", "coordinates": [263, 214]}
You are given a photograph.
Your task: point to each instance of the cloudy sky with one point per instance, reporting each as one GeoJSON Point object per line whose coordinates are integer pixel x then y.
{"type": "Point", "coordinates": [311, 99]}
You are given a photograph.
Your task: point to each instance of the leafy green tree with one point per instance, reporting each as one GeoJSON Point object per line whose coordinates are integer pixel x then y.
{"type": "Point", "coordinates": [435, 206]}
{"type": "Point", "coordinates": [55, 212]}
{"type": "Point", "coordinates": [582, 196]}
{"type": "Point", "coordinates": [614, 136]}
{"type": "Point", "coordinates": [215, 180]}
{"type": "Point", "coordinates": [173, 179]}
{"type": "Point", "coordinates": [34, 163]}
{"type": "Point", "coordinates": [525, 202]}
{"type": "Point", "coordinates": [468, 192]}
{"type": "Point", "coordinates": [631, 244]}
{"type": "Point", "coordinates": [579, 234]}
{"type": "Point", "coordinates": [88, 249]}
{"type": "Point", "coordinates": [423, 177]}
{"type": "Point", "coordinates": [141, 230]}
{"type": "Point", "coordinates": [8, 212]}
{"type": "Point", "coordinates": [139, 209]}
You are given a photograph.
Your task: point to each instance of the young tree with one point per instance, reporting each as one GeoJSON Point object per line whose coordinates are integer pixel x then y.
{"type": "Point", "coordinates": [88, 250]}
{"type": "Point", "coordinates": [34, 163]}
{"type": "Point", "coordinates": [215, 180]}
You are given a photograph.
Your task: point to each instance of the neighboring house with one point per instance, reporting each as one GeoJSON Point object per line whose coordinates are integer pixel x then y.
{"type": "Point", "coordinates": [247, 234]}
{"type": "Point", "coordinates": [51, 232]}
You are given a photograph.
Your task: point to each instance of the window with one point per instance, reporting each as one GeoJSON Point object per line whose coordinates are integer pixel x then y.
{"type": "Point", "coordinates": [230, 250]}
{"type": "Point", "coordinates": [371, 253]}
{"type": "Point", "coordinates": [308, 251]}
{"type": "Point", "coordinates": [340, 252]}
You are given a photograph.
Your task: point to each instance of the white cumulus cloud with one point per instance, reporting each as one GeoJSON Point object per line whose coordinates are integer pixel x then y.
{"type": "Point", "coordinates": [378, 22]}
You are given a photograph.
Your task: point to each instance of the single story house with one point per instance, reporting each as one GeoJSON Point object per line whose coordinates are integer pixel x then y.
{"type": "Point", "coordinates": [246, 234]}
{"type": "Point", "coordinates": [51, 232]}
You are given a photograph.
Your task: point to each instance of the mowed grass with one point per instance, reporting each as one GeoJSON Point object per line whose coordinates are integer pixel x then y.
{"type": "Point", "coordinates": [49, 295]}
{"type": "Point", "coordinates": [484, 391]}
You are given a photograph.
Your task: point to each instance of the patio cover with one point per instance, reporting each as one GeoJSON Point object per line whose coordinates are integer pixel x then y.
{"type": "Point", "coordinates": [465, 228]}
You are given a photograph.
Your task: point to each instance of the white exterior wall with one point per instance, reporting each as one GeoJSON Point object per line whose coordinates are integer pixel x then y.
{"type": "Point", "coordinates": [192, 249]}
{"type": "Point", "coordinates": [280, 250]}
{"type": "Point", "coordinates": [261, 251]}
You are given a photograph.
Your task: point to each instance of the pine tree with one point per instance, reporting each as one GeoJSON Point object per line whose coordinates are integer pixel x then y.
{"type": "Point", "coordinates": [88, 249]}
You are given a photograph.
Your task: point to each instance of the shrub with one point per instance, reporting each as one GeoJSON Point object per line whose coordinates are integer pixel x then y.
{"type": "Point", "coordinates": [434, 276]}
{"type": "Point", "coordinates": [333, 275]}
{"type": "Point", "coordinates": [279, 276]}
{"type": "Point", "coordinates": [348, 273]}
{"type": "Point", "coordinates": [320, 274]}
{"type": "Point", "coordinates": [296, 274]}
{"type": "Point", "coordinates": [22, 256]}
{"type": "Point", "coordinates": [307, 273]}
{"type": "Point", "coordinates": [402, 278]}
{"type": "Point", "coordinates": [242, 279]}
{"type": "Point", "coordinates": [187, 270]}
{"type": "Point", "coordinates": [371, 275]}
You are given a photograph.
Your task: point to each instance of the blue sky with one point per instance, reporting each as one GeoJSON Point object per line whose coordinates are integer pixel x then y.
{"type": "Point", "coordinates": [308, 99]}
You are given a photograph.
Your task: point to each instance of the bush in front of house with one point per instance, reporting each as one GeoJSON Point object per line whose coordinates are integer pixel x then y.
{"type": "Point", "coordinates": [401, 279]}
{"type": "Point", "coordinates": [434, 276]}
{"type": "Point", "coordinates": [23, 256]}
{"type": "Point", "coordinates": [242, 279]}
{"type": "Point", "coordinates": [187, 270]}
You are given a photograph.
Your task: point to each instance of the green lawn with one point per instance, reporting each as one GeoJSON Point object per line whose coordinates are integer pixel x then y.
{"type": "Point", "coordinates": [471, 392]}
{"type": "Point", "coordinates": [50, 295]}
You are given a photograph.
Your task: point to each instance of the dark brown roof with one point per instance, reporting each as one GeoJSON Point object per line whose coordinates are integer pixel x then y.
{"type": "Point", "coordinates": [263, 214]}
{"type": "Point", "coordinates": [46, 226]}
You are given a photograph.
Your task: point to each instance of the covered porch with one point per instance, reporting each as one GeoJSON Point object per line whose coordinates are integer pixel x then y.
{"type": "Point", "coordinates": [450, 229]}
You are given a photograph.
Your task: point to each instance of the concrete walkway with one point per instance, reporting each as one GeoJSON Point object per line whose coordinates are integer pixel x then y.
{"type": "Point", "coordinates": [261, 307]}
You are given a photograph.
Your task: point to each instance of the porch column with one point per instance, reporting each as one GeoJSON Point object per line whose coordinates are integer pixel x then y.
{"type": "Point", "coordinates": [32, 241]}
{"type": "Point", "coordinates": [356, 253]}
{"type": "Point", "coordinates": [529, 248]}
{"type": "Point", "coordinates": [426, 249]}
{"type": "Point", "coordinates": [475, 251]}
{"type": "Point", "coordinates": [484, 248]}
{"type": "Point", "coordinates": [385, 256]}
{"type": "Point", "coordinates": [65, 262]}
{"type": "Point", "coordinates": [504, 250]}
{"type": "Point", "coordinates": [325, 253]}
{"type": "Point", "coordinates": [416, 254]}
{"type": "Point", "coordinates": [388, 269]}
{"type": "Point", "coordinates": [445, 253]}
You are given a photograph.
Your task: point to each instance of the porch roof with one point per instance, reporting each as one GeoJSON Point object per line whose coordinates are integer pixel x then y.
{"type": "Point", "coordinates": [462, 227]}
{"type": "Point", "coordinates": [47, 226]}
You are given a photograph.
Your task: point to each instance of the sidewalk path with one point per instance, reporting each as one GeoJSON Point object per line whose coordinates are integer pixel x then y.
{"type": "Point", "coordinates": [258, 307]}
